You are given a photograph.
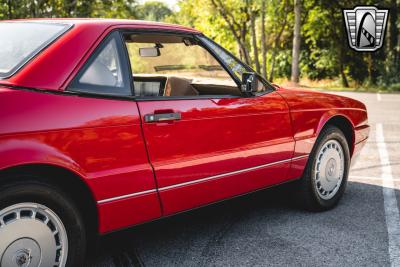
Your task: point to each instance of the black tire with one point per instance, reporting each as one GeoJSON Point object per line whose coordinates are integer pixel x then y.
{"type": "Point", "coordinates": [59, 203]}
{"type": "Point", "coordinates": [306, 189]}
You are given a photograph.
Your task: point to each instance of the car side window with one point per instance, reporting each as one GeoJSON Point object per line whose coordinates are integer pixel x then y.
{"type": "Point", "coordinates": [106, 71]}
{"type": "Point", "coordinates": [169, 65]}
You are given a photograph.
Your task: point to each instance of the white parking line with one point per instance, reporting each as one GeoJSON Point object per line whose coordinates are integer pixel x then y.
{"type": "Point", "coordinates": [389, 199]}
{"type": "Point", "coordinates": [378, 97]}
{"type": "Point", "coordinates": [373, 178]}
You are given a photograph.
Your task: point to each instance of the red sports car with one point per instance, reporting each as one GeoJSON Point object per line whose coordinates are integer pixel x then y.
{"type": "Point", "coordinates": [105, 124]}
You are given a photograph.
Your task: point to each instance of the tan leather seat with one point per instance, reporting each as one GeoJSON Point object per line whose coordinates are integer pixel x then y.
{"type": "Point", "coordinates": [179, 87]}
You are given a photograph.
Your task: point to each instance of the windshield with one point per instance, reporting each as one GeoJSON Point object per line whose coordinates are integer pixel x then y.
{"type": "Point", "coordinates": [236, 66]}
{"type": "Point", "coordinates": [20, 41]}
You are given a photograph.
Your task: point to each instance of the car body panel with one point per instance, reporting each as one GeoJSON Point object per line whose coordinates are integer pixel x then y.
{"type": "Point", "coordinates": [53, 69]}
{"type": "Point", "coordinates": [99, 139]}
{"type": "Point", "coordinates": [251, 142]}
{"type": "Point", "coordinates": [311, 110]}
{"type": "Point", "coordinates": [204, 192]}
{"type": "Point", "coordinates": [129, 211]}
{"type": "Point", "coordinates": [215, 137]}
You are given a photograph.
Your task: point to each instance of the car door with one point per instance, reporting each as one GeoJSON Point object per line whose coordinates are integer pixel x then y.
{"type": "Point", "coordinates": [207, 143]}
{"type": "Point", "coordinates": [106, 139]}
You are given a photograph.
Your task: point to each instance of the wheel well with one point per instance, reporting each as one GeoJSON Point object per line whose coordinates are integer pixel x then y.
{"type": "Point", "coordinates": [346, 127]}
{"type": "Point", "coordinates": [66, 181]}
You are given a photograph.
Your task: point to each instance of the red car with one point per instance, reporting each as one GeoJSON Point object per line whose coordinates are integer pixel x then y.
{"type": "Point", "coordinates": [105, 124]}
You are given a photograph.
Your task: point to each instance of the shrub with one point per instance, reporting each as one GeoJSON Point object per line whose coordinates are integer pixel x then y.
{"type": "Point", "coordinates": [394, 87]}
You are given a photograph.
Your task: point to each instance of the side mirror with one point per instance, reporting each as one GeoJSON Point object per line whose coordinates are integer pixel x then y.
{"type": "Point", "coordinates": [149, 52]}
{"type": "Point", "coordinates": [250, 83]}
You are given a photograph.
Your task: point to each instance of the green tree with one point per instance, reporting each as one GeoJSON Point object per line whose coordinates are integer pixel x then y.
{"type": "Point", "coordinates": [261, 32]}
{"type": "Point", "coordinates": [237, 15]}
{"type": "Point", "coordinates": [296, 42]}
{"type": "Point", "coordinates": [154, 10]}
{"type": "Point", "coordinates": [118, 9]}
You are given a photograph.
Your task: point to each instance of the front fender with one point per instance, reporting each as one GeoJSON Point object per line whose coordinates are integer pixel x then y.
{"type": "Point", "coordinates": [327, 116]}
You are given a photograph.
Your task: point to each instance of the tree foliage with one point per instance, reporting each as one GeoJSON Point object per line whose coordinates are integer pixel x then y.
{"type": "Point", "coordinates": [324, 53]}
{"type": "Point", "coordinates": [260, 32]}
{"type": "Point", "coordinates": [153, 10]}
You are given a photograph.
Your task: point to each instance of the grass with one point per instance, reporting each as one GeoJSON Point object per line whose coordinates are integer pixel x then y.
{"type": "Point", "coordinates": [335, 85]}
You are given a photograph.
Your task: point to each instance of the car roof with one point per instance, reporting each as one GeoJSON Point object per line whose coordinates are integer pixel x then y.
{"type": "Point", "coordinates": [108, 23]}
{"type": "Point", "coordinates": [53, 68]}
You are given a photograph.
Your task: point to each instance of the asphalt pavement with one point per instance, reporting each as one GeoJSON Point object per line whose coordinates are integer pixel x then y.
{"type": "Point", "coordinates": [266, 229]}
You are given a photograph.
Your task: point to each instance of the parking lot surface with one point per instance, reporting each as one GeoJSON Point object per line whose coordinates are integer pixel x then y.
{"type": "Point", "coordinates": [267, 229]}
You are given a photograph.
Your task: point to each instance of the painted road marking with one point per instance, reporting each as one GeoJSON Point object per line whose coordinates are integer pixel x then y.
{"type": "Point", "coordinates": [378, 97]}
{"type": "Point", "coordinates": [389, 199]}
{"type": "Point", "coordinates": [357, 177]}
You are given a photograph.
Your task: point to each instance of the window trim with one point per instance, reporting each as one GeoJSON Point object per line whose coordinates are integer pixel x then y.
{"type": "Point", "coordinates": [40, 49]}
{"type": "Point", "coordinates": [125, 68]}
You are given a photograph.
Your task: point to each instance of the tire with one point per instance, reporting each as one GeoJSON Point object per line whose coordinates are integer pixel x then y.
{"type": "Point", "coordinates": [39, 224]}
{"type": "Point", "coordinates": [325, 176]}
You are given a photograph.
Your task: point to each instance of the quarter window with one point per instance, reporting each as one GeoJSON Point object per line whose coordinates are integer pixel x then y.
{"type": "Point", "coordinates": [106, 71]}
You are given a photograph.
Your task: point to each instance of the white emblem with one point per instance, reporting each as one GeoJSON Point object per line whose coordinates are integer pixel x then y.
{"type": "Point", "coordinates": [365, 27]}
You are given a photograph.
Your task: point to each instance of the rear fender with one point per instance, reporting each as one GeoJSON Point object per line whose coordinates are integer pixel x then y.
{"type": "Point", "coordinates": [14, 152]}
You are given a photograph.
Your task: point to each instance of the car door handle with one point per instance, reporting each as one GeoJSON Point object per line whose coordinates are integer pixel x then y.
{"type": "Point", "coordinates": [174, 116]}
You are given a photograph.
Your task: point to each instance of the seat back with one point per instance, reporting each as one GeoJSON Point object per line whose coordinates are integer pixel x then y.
{"type": "Point", "coordinates": [179, 87]}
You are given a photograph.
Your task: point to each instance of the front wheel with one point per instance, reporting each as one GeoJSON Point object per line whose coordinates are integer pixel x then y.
{"type": "Point", "coordinates": [39, 226]}
{"type": "Point", "coordinates": [325, 177]}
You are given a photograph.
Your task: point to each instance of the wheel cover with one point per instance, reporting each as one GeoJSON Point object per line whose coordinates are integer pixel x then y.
{"type": "Point", "coordinates": [329, 169]}
{"type": "Point", "coordinates": [32, 235]}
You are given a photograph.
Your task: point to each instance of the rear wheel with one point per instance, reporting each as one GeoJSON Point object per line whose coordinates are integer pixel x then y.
{"type": "Point", "coordinates": [39, 226]}
{"type": "Point", "coordinates": [325, 177]}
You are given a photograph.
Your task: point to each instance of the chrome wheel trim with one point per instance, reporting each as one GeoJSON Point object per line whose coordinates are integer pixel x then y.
{"type": "Point", "coordinates": [32, 235]}
{"type": "Point", "coordinates": [329, 169]}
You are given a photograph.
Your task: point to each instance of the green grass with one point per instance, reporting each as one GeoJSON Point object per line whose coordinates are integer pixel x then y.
{"type": "Point", "coordinates": [359, 89]}
{"type": "Point", "coordinates": [351, 89]}
{"type": "Point", "coordinates": [335, 85]}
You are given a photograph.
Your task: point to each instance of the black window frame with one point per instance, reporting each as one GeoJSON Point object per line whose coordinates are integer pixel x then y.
{"type": "Point", "coordinates": [75, 86]}
{"type": "Point", "coordinates": [128, 76]}
{"type": "Point", "coordinates": [40, 49]}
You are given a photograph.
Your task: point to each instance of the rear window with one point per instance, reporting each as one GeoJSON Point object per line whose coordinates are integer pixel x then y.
{"type": "Point", "coordinates": [20, 41]}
